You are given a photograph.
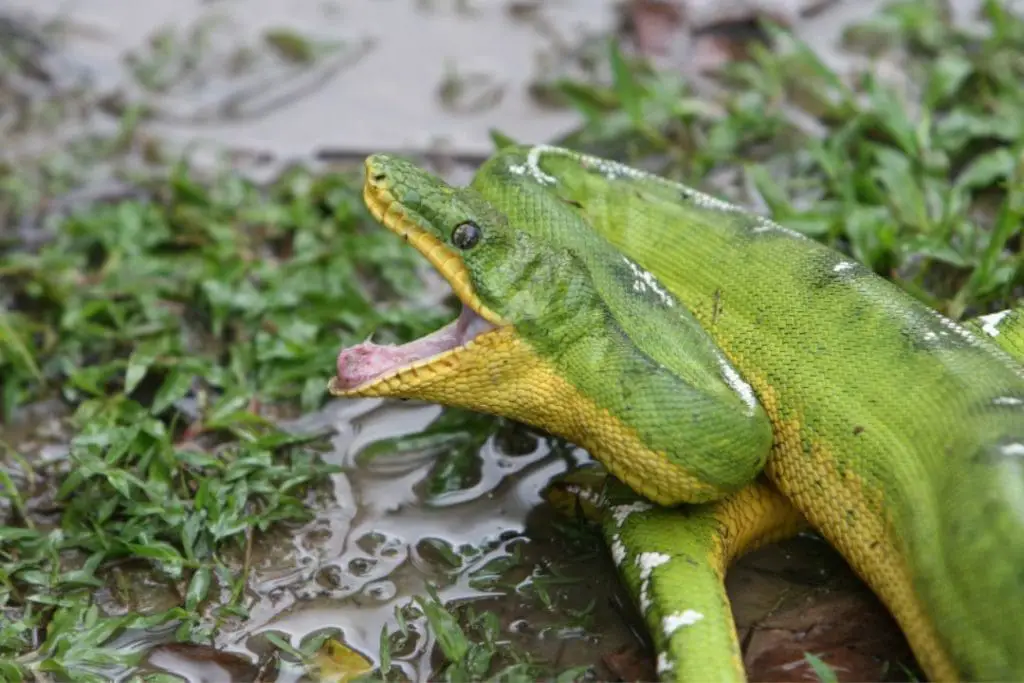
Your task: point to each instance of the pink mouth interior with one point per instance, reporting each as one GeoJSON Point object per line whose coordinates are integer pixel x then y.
{"type": "Point", "coordinates": [365, 362]}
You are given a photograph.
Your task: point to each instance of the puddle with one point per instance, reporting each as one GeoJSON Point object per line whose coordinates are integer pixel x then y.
{"type": "Point", "coordinates": [383, 539]}
{"type": "Point", "coordinates": [495, 546]}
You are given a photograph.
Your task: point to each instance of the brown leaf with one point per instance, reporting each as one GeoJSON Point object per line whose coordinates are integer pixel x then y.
{"type": "Point", "coordinates": [853, 634]}
{"type": "Point", "coordinates": [631, 663]}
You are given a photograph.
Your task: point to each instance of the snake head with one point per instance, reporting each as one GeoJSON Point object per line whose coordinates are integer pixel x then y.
{"type": "Point", "coordinates": [503, 277]}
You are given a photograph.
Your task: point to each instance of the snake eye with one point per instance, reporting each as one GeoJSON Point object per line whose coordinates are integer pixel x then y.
{"type": "Point", "coordinates": [466, 235]}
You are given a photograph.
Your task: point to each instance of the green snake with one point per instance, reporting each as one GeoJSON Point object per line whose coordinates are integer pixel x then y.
{"type": "Point", "coordinates": [708, 356]}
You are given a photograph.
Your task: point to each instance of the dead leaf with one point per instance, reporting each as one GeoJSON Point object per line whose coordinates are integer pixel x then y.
{"type": "Point", "coordinates": [631, 663]}
{"type": "Point", "coordinates": [853, 634]}
{"type": "Point", "coordinates": [335, 662]}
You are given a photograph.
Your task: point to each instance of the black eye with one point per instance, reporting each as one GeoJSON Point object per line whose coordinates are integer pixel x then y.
{"type": "Point", "coordinates": [466, 235]}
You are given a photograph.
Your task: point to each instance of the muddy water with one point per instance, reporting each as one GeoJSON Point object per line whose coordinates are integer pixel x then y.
{"type": "Point", "coordinates": [373, 546]}
{"type": "Point", "coordinates": [379, 537]}
{"type": "Point", "coordinates": [363, 556]}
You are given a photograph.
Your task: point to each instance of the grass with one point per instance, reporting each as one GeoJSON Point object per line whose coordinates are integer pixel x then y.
{"type": "Point", "coordinates": [177, 327]}
{"type": "Point", "coordinates": [169, 331]}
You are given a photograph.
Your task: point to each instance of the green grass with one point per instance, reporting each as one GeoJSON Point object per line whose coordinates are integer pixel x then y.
{"type": "Point", "coordinates": [169, 332]}
{"type": "Point", "coordinates": [176, 328]}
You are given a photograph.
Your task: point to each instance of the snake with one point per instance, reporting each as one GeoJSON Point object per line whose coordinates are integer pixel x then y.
{"type": "Point", "coordinates": [737, 381]}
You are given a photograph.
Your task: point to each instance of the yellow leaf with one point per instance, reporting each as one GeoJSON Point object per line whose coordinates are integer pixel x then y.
{"type": "Point", "coordinates": [337, 663]}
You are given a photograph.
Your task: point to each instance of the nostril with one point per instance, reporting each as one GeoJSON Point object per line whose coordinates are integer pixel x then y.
{"type": "Point", "coordinates": [378, 177]}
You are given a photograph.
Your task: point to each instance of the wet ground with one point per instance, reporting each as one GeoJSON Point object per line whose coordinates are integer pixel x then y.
{"type": "Point", "coordinates": [430, 76]}
{"type": "Point", "coordinates": [396, 74]}
{"type": "Point", "coordinates": [498, 547]}
{"type": "Point", "coordinates": [381, 75]}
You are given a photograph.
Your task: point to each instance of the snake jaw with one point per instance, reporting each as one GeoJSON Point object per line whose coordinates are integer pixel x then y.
{"type": "Point", "coordinates": [367, 368]}
{"type": "Point", "coordinates": [370, 369]}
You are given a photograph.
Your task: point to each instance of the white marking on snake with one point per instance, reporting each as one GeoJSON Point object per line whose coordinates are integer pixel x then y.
{"type": "Point", "coordinates": [613, 169]}
{"type": "Point", "coordinates": [622, 512]}
{"type": "Point", "coordinates": [647, 562]}
{"type": "Point", "coordinates": [1008, 401]}
{"type": "Point", "coordinates": [618, 551]}
{"type": "Point", "coordinates": [963, 332]}
{"type": "Point", "coordinates": [765, 225]}
{"type": "Point", "coordinates": [990, 322]}
{"type": "Point", "coordinates": [645, 280]}
{"type": "Point", "coordinates": [1013, 449]}
{"type": "Point", "coordinates": [586, 494]}
{"type": "Point", "coordinates": [664, 663]}
{"type": "Point", "coordinates": [674, 622]}
{"type": "Point", "coordinates": [842, 266]}
{"type": "Point", "coordinates": [533, 165]}
{"type": "Point", "coordinates": [606, 167]}
{"type": "Point", "coordinates": [737, 384]}
{"type": "Point", "coordinates": [706, 201]}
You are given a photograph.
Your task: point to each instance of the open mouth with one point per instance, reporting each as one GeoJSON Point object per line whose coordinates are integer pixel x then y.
{"type": "Point", "coordinates": [366, 365]}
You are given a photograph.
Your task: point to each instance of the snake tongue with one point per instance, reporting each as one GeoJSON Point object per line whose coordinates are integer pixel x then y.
{"type": "Point", "coordinates": [365, 362]}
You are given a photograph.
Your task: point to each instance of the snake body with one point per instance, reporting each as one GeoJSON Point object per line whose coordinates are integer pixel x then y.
{"type": "Point", "coordinates": [708, 356]}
